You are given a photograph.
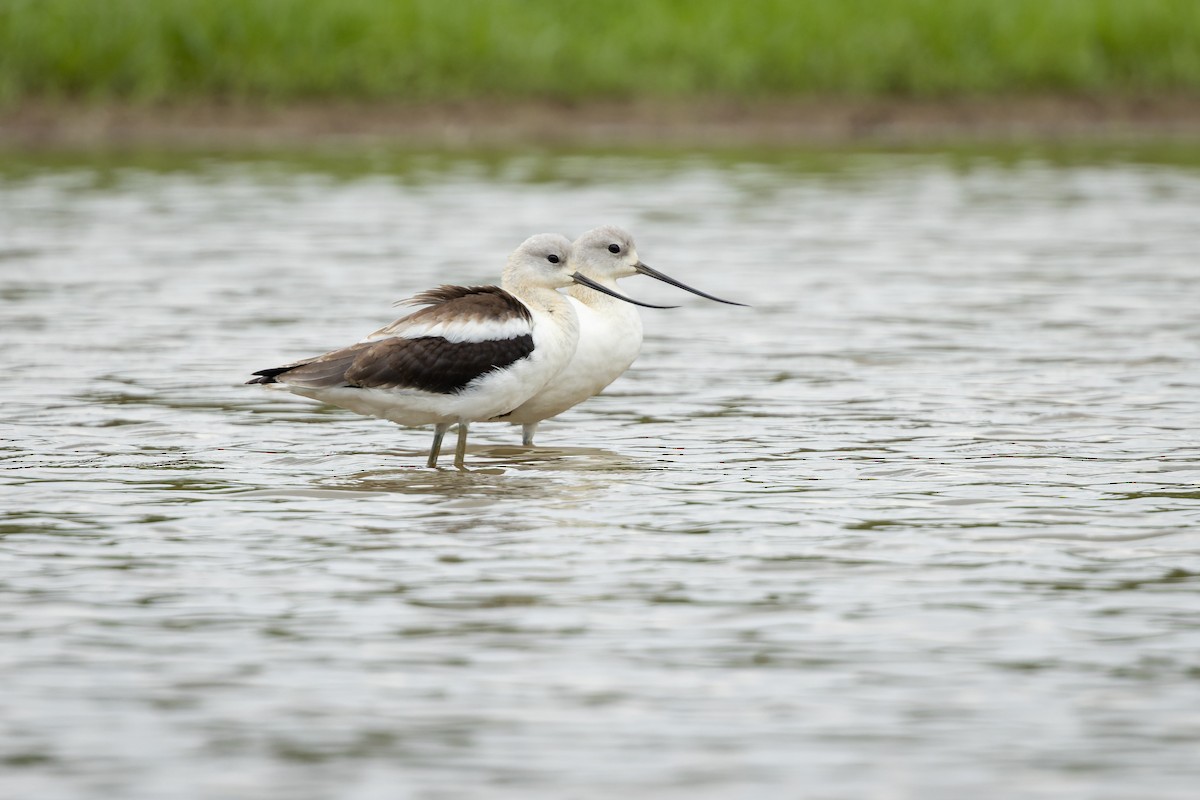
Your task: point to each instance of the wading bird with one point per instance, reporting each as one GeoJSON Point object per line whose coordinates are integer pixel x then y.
{"type": "Point", "coordinates": [470, 354]}
{"type": "Point", "coordinates": [610, 332]}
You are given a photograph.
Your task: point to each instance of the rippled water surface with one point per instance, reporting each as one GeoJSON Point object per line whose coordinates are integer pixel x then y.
{"type": "Point", "coordinates": [922, 523]}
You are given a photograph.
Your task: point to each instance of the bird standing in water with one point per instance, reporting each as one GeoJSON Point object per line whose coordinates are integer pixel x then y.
{"type": "Point", "coordinates": [610, 332]}
{"type": "Point", "coordinates": [469, 354]}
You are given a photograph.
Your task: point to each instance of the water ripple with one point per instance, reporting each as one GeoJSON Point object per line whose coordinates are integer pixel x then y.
{"type": "Point", "coordinates": [922, 522]}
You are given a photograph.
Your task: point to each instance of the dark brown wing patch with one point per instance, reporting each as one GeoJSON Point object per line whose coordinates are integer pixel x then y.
{"type": "Point", "coordinates": [430, 364]}
{"type": "Point", "coordinates": [433, 364]}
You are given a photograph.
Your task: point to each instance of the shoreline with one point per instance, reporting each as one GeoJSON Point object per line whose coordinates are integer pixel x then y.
{"type": "Point", "coordinates": [813, 122]}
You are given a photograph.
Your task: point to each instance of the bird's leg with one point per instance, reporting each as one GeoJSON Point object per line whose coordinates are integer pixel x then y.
{"type": "Point", "coordinates": [527, 432]}
{"type": "Point", "coordinates": [460, 452]}
{"type": "Point", "coordinates": [439, 432]}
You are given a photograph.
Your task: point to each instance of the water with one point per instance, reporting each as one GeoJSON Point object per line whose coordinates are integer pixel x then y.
{"type": "Point", "coordinates": [921, 523]}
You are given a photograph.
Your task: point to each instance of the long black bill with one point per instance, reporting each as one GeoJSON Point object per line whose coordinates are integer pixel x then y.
{"type": "Point", "coordinates": [653, 273]}
{"type": "Point", "coordinates": [583, 280]}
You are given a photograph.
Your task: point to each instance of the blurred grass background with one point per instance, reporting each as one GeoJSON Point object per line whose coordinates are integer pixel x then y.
{"type": "Point", "coordinates": [156, 51]}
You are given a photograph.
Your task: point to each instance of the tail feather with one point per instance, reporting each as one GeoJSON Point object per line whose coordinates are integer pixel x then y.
{"type": "Point", "coordinates": [322, 372]}
{"type": "Point", "coordinates": [269, 375]}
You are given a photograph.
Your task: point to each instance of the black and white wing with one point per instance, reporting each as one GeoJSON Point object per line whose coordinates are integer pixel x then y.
{"type": "Point", "coordinates": [461, 334]}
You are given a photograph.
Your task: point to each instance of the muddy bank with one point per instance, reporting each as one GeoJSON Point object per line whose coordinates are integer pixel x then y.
{"type": "Point", "coordinates": [489, 123]}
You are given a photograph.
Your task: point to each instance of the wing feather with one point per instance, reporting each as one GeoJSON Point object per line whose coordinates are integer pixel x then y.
{"type": "Point", "coordinates": [479, 329]}
{"type": "Point", "coordinates": [462, 313]}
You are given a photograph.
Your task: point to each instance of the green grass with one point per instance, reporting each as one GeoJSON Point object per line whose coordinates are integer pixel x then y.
{"type": "Point", "coordinates": [437, 50]}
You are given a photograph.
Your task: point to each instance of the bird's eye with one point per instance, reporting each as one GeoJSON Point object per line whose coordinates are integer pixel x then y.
{"type": "Point", "coordinates": [614, 248]}
{"type": "Point", "coordinates": [553, 259]}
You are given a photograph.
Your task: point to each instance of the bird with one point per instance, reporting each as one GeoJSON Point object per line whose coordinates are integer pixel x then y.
{"type": "Point", "coordinates": [469, 353]}
{"type": "Point", "coordinates": [610, 333]}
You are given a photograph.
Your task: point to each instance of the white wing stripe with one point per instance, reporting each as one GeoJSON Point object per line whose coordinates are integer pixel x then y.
{"type": "Point", "coordinates": [459, 330]}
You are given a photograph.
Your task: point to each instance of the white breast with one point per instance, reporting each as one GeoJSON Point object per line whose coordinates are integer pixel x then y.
{"type": "Point", "coordinates": [610, 338]}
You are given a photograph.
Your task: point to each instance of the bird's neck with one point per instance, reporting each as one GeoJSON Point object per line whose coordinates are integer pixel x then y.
{"type": "Point", "coordinates": [594, 299]}
{"type": "Point", "coordinates": [550, 301]}
{"type": "Point", "coordinates": [538, 298]}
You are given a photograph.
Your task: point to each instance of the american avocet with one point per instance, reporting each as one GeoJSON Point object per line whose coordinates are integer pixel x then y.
{"type": "Point", "coordinates": [470, 354]}
{"type": "Point", "coordinates": [610, 333]}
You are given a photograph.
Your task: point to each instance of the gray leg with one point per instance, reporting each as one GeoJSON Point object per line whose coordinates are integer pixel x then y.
{"type": "Point", "coordinates": [438, 433]}
{"type": "Point", "coordinates": [460, 452]}
{"type": "Point", "coordinates": [527, 432]}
